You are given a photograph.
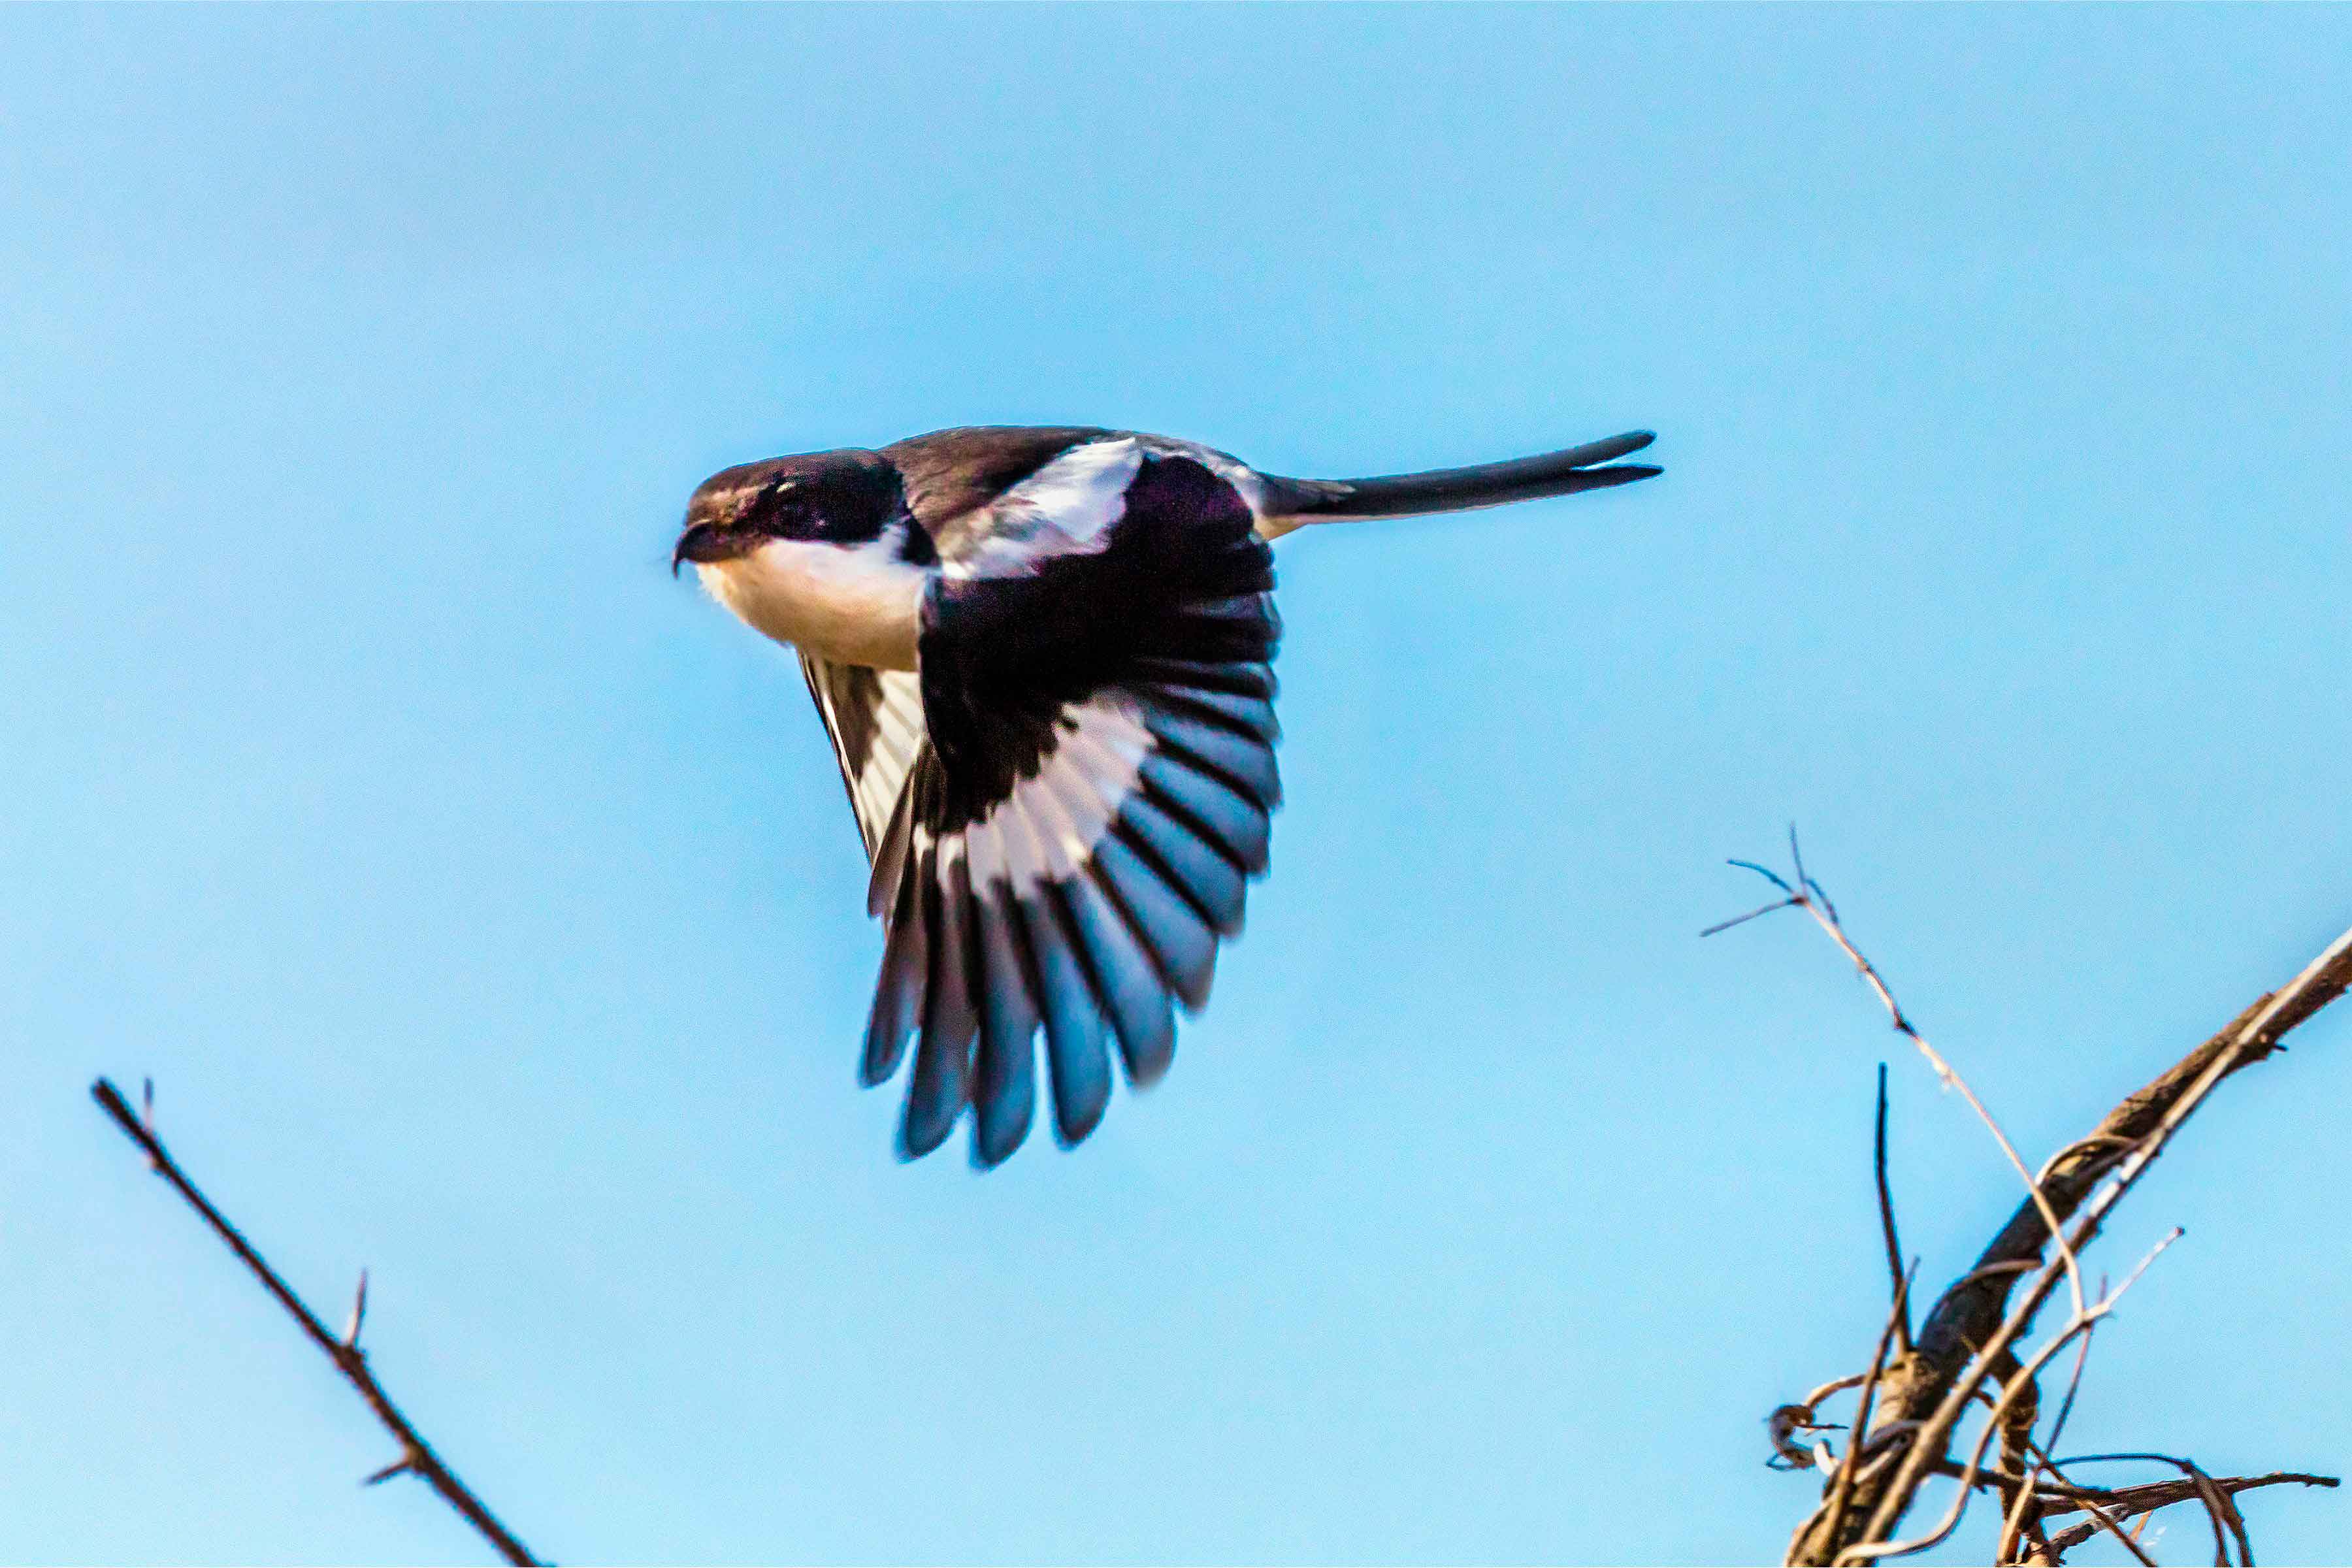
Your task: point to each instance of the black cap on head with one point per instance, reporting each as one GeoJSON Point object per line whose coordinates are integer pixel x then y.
{"type": "Point", "coordinates": [844, 498]}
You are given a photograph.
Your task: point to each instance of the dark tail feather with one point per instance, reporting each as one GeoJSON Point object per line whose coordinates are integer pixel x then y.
{"type": "Point", "coordinates": [1460, 489]}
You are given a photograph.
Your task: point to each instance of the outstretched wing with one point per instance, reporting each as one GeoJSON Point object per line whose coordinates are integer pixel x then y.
{"type": "Point", "coordinates": [1077, 835]}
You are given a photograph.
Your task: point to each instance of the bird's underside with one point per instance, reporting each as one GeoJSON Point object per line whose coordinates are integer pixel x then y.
{"type": "Point", "coordinates": [1065, 796]}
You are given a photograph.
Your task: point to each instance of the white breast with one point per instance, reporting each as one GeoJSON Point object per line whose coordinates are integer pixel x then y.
{"type": "Point", "coordinates": [852, 606]}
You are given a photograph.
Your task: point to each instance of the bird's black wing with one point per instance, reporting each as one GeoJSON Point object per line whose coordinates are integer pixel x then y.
{"type": "Point", "coordinates": [1077, 835]}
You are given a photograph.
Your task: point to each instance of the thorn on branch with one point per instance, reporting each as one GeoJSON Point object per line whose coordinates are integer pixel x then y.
{"type": "Point", "coordinates": [399, 1467]}
{"type": "Point", "coordinates": [359, 1314]}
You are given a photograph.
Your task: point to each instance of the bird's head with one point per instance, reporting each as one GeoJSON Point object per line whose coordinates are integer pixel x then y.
{"type": "Point", "coordinates": [846, 498]}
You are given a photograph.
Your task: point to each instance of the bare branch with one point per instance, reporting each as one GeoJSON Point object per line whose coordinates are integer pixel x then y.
{"type": "Point", "coordinates": [2228, 1524]}
{"type": "Point", "coordinates": [416, 1454]}
{"type": "Point", "coordinates": [1874, 1544]}
{"type": "Point", "coordinates": [2128, 1501]}
{"type": "Point", "coordinates": [1807, 895]}
{"type": "Point", "coordinates": [1756, 913]}
{"type": "Point", "coordinates": [2029, 1506]}
{"type": "Point", "coordinates": [1897, 1274]}
{"type": "Point", "coordinates": [1971, 1335]}
{"type": "Point", "coordinates": [1897, 1316]}
{"type": "Point", "coordinates": [1967, 1329]}
{"type": "Point", "coordinates": [399, 1467]}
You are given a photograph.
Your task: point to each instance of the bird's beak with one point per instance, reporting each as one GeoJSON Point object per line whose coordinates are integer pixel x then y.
{"type": "Point", "coordinates": [701, 542]}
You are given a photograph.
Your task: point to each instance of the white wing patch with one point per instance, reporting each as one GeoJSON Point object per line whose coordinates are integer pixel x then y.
{"type": "Point", "coordinates": [1057, 817]}
{"type": "Point", "coordinates": [897, 741]}
{"type": "Point", "coordinates": [1066, 508]}
{"type": "Point", "coordinates": [876, 779]}
{"type": "Point", "coordinates": [1048, 829]}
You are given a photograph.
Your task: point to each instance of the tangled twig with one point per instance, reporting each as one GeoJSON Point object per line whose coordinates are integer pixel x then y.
{"type": "Point", "coordinates": [1968, 1347]}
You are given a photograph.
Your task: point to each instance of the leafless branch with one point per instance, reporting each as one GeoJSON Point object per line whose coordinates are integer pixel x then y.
{"type": "Point", "coordinates": [1806, 894]}
{"type": "Point", "coordinates": [2129, 1501]}
{"type": "Point", "coordinates": [1969, 1346]}
{"type": "Point", "coordinates": [1968, 1331]}
{"type": "Point", "coordinates": [1897, 1275]}
{"type": "Point", "coordinates": [1898, 1316]}
{"type": "Point", "coordinates": [2020, 1382]}
{"type": "Point", "coordinates": [416, 1455]}
{"type": "Point", "coordinates": [2228, 1524]}
{"type": "Point", "coordinates": [2023, 1522]}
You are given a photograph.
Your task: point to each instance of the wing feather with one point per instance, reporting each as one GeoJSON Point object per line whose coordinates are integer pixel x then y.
{"type": "Point", "coordinates": [875, 719]}
{"type": "Point", "coordinates": [1065, 806]}
{"type": "Point", "coordinates": [1075, 1048]}
{"type": "Point", "coordinates": [942, 1083]}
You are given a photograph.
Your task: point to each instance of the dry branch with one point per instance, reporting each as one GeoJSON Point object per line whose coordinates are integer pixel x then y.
{"type": "Point", "coordinates": [2126, 1503]}
{"type": "Point", "coordinates": [1899, 1276]}
{"type": "Point", "coordinates": [1966, 1349]}
{"type": "Point", "coordinates": [417, 1455]}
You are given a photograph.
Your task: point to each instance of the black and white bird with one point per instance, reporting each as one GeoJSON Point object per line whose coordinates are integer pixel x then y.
{"type": "Point", "coordinates": [1045, 659]}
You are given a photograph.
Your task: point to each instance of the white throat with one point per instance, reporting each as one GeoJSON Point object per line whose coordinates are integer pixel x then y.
{"type": "Point", "coordinates": [850, 604]}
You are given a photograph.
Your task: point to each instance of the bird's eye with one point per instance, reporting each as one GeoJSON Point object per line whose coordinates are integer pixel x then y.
{"type": "Point", "coordinates": [777, 500]}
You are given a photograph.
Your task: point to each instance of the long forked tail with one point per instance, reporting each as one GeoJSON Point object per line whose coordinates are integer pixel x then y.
{"type": "Point", "coordinates": [1591, 467]}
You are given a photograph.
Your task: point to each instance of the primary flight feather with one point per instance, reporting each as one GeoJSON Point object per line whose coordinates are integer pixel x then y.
{"type": "Point", "coordinates": [1045, 659]}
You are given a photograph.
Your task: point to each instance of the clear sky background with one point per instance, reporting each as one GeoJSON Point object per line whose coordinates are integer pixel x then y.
{"type": "Point", "coordinates": [486, 910]}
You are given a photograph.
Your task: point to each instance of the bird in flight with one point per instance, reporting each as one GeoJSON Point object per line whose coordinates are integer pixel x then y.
{"type": "Point", "coordinates": [1045, 657]}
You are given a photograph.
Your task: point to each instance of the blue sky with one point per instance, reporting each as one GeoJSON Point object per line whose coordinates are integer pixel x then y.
{"type": "Point", "coordinates": [486, 910]}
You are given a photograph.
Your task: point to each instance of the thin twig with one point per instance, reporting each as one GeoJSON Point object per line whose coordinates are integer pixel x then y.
{"type": "Point", "coordinates": [1972, 1324]}
{"type": "Point", "coordinates": [2057, 1495]}
{"type": "Point", "coordinates": [2254, 1034]}
{"type": "Point", "coordinates": [2227, 1523]}
{"type": "Point", "coordinates": [1835, 1385]}
{"type": "Point", "coordinates": [2021, 1520]}
{"type": "Point", "coordinates": [2216, 1508]}
{"type": "Point", "coordinates": [1874, 1544]}
{"type": "Point", "coordinates": [1842, 1484]}
{"type": "Point", "coordinates": [416, 1454]}
{"type": "Point", "coordinates": [2025, 1508]}
{"type": "Point", "coordinates": [1899, 1281]}
{"type": "Point", "coordinates": [2074, 1386]}
{"type": "Point", "coordinates": [1808, 895]}
{"type": "Point", "coordinates": [2128, 1501]}
{"type": "Point", "coordinates": [2100, 1518]}
{"type": "Point", "coordinates": [1756, 913]}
